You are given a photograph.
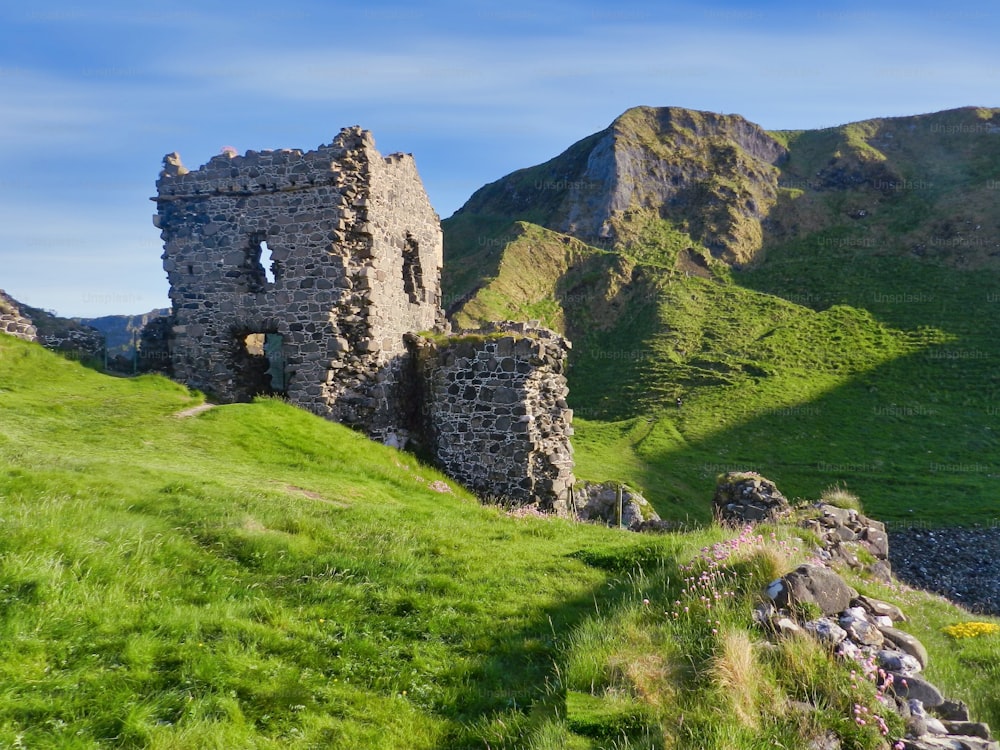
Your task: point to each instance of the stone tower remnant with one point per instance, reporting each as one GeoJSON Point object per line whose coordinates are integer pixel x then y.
{"type": "Point", "coordinates": [301, 274]}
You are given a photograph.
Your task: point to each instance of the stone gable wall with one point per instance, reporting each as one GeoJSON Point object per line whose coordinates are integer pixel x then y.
{"type": "Point", "coordinates": [495, 412]}
{"type": "Point", "coordinates": [335, 221]}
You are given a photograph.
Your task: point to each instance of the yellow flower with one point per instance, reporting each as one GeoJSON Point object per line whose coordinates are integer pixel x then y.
{"type": "Point", "coordinates": [970, 629]}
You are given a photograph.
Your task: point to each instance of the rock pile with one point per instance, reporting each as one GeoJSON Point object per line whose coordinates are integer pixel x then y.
{"type": "Point", "coordinates": [814, 601]}
{"type": "Point", "coordinates": [863, 629]}
{"type": "Point", "coordinates": [746, 497]}
{"type": "Point", "coordinates": [849, 537]}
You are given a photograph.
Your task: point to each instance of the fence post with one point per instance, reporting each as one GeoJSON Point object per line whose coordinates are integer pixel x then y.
{"type": "Point", "coordinates": [620, 493]}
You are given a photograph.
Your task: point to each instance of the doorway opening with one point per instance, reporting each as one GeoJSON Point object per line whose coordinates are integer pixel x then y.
{"type": "Point", "coordinates": [259, 365]}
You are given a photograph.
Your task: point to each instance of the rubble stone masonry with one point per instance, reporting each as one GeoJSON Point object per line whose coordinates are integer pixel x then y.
{"type": "Point", "coordinates": [355, 260]}
{"type": "Point", "coordinates": [13, 321]}
{"type": "Point", "coordinates": [302, 273]}
{"type": "Point", "coordinates": [496, 416]}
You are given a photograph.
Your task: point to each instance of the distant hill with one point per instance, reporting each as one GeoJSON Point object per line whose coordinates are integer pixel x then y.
{"type": "Point", "coordinates": [83, 338]}
{"type": "Point", "coordinates": [819, 301]}
{"type": "Point", "coordinates": [122, 331]}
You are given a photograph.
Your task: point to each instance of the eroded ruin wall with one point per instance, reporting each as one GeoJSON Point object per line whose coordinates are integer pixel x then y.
{"type": "Point", "coordinates": [13, 321]}
{"type": "Point", "coordinates": [495, 411]}
{"type": "Point", "coordinates": [356, 256]}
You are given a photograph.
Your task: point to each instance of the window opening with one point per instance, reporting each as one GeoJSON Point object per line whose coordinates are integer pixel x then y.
{"type": "Point", "coordinates": [267, 262]}
{"type": "Point", "coordinates": [413, 275]}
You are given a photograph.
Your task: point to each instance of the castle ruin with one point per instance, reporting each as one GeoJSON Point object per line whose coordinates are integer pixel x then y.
{"type": "Point", "coordinates": [309, 275]}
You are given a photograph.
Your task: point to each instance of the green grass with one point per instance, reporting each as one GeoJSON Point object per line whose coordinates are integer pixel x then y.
{"type": "Point", "coordinates": [857, 349]}
{"type": "Point", "coordinates": [257, 577]}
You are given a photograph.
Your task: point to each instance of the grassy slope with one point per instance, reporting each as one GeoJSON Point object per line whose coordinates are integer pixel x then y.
{"type": "Point", "coordinates": [759, 376]}
{"type": "Point", "coordinates": [868, 360]}
{"type": "Point", "coordinates": [256, 577]}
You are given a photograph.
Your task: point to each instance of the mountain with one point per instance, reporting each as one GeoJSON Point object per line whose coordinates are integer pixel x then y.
{"type": "Point", "coordinates": [122, 332]}
{"type": "Point", "coordinates": [818, 301]}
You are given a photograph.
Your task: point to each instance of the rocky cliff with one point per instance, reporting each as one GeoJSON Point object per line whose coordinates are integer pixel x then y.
{"type": "Point", "coordinates": [714, 175]}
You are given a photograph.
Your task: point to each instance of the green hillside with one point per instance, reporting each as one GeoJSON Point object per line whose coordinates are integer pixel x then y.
{"type": "Point", "coordinates": [855, 344]}
{"type": "Point", "coordinates": [253, 576]}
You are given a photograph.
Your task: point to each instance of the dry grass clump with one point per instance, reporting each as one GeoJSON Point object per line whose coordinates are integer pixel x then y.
{"type": "Point", "coordinates": [735, 671]}
{"type": "Point", "coordinates": [839, 497]}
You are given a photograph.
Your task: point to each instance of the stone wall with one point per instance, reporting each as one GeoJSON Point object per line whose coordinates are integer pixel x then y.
{"type": "Point", "coordinates": [309, 274]}
{"type": "Point", "coordinates": [13, 321]}
{"type": "Point", "coordinates": [355, 259]}
{"type": "Point", "coordinates": [494, 411]}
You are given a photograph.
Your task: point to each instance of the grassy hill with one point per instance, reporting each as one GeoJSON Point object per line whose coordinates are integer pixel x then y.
{"type": "Point", "coordinates": [852, 343]}
{"type": "Point", "coordinates": [253, 576]}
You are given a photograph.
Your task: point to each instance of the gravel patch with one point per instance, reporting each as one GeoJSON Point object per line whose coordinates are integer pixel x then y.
{"type": "Point", "coordinates": [960, 564]}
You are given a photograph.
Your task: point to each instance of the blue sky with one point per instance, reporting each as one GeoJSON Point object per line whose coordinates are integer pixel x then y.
{"type": "Point", "coordinates": [92, 96]}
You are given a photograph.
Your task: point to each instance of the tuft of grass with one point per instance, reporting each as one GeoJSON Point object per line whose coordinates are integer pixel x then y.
{"type": "Point", "coordinates": [840, 497]}
{"type": "Point", "coordinates": [735, 672]}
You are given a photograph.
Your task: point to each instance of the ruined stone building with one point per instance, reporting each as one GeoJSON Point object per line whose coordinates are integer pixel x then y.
{"type": "Point", "coordinates": [300, 274]}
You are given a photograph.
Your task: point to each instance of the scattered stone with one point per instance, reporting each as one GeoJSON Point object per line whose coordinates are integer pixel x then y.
{"type": "Point", "coordinates": [916, 718]}
{"type": "Point", "coordinates": [763, 611]}
{"type": "Point", "coordinates": [844, 532]}
{"type": "Point", "coordinates": [906, 643]}
{"type": "Point", "coordinates": [897, 661]}
{"type": "Point", "coordinates": [969, 729]}
{"type": "Point", "coordinates": [813, 584]}
{"type": "Point", "coordinates": [953, 711]}
{"type": "Point", "coordinates": [913, 687]}
{"type": "Point", "coordinates": [786, 627]}
{"type": "Point", "coordinates": [860, 630]}
{"type": "Point", "coordinates": [826, 631]}
{"type": "Point", "coordinates": [934, 726]}
{"type": "Point", "coordinates": [878, 607]}
{"type": "Point", "coordinates": [847, 649]}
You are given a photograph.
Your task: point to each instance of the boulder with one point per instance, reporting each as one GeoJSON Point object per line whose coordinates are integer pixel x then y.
{"type": "Point", "coordinates": [953, 711]}
{"type": "Point", "coordinates": [860, 630]}
{"type": "Point", "coordinates": [599, 502]}
{"type": "Point", "coordinates": [826, 631]}
{"type": "Point", "coordinates": [907, 644]}
{"type": "Point", "coordinates": [746, 497]}
{"type": "Point", "coordinates": [912, 687]}
{"type": "Point", "coordinates": [812, 584]}
{"type": "Point", "coordinates": [969, 729]}
{"type": "Point", "coordinates": [896, 661]}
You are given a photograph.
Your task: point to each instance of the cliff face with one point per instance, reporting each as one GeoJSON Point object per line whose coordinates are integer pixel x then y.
{"type": "Point", "coordinates": [712, 175]}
